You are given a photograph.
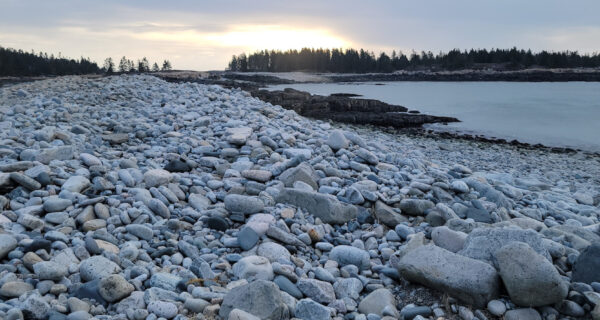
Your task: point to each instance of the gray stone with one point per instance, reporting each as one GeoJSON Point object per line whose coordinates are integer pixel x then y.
{"type": "Point", "coordinates": [257, 175]}
{"type": "Point", "coordinates": [56, 204]}
{"type": "Point", "coordinates": [481, 243]}
{"type": "Point", "coordinates": [345, 255]}
{"type": "Point", "coordinates": [303, 172]}
{"type": "Point", "coordinates": [387, 215]}
{"type": "Point", "coordinates": [97, 267]}
{"type": "Point", "coordinates": [25, 181]}
{"type": "Point", "coordinates": [14, 289]}
{"type": "Point", "coordinates": [522, 314]}
{"type": "Point", "coordinates": [530, 279]}
{"type": "Point", "coordinates": [141, 231]}
{"type": "Point", "coordinates": [496, 307]}
{"type": "Point", "coordinates": [260, 298]}
{"type": "Point", "coordinates": [159, 208]}
{"type": "Point", "coordinates": [34, 306]}
{"type": "Point", "coordinates": [243, 204]}
{"type": "Point", "coordinates": [378, 300]}
{"type": "Point", "coordinates": [318, 290]}
{"type": "Point", "coordinates": [273, 251]}
{"type": "Point", "coordinates": [307, 309]}
{"type": "Point", "coordinates": [165, 281]}
{"type": "Point", "coordinates": [337, 140]}
{"type": "Point", "coordinates": [288, 286]}
{"type": "Point", "coordinates": [324, 206]}
{"type": "Point", "coordinates": [253, 267]}
{"type": "Point", "coordinates": [247, 238]}
{"type": "Point", "coordinates": [348, 287]}
{"type": "Point", "coordinates": [7, 244]}
{"type": "Point", "coordinates": [90, 160]}
{"type": "Point", "coordinates": [238, 136]}
{"type": "Point", "coordinates": [157, 177]}
{"type": "Point", "coordinates": [195, 305]}
{"type": "Point", "coordinates": [45, 156]}
{"type": "Point", "coordinates": [163, 309]}
{"type": "Point", "coordinates": [237, 314]}
{"type": "Point", "coordinates": [448, 239]}
{"type": "Point", "coordinates": [48, 270]}
{"type": "Point", "coordinates": [114, 288]}
{"type": "Point", "coordinates": [198, 201]}
{"type": "Point", "coordinates": [585, 268]}
{"type": "Point", "coordinates": [415, 207]}
{"type": "Point", "coordinates": [76, 184]}
{"type": "Point", "coordinates": [472, 281]}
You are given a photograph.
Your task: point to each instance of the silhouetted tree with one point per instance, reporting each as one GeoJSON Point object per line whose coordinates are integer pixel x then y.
{"type": "Point", "coordinates": [351, 60]}
{"type": "Point", "coordinates": [166, 65]}
{"type": "Point", "coordinates": [155, 67]}
{"type": "Point", "coordinates": [123, 65]}
{"type": "Point", "coordinates": [109, 65]}
{"type": "Point", "coordinates": [143, 65]}
{"type": "Point", "coordinates": [20, 63]}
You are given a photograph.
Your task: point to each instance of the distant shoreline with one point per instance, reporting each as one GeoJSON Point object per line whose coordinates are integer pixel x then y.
{"type": "Point", "coordinates": [527, 75]}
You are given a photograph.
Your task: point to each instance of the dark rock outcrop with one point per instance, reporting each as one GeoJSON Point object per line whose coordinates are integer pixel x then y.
{"type": "Point", "coordinates": [348, 110]}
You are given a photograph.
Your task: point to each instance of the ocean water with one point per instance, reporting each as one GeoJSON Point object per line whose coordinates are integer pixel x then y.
{"type": "Point", "coordinates": [561, 114]}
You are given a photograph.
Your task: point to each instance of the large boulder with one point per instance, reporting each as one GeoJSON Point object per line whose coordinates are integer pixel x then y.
{"type": "Point", "coordinates": [472, 281]}
{"type": "Point", "coordinates": [587, 265]}
{"type": "Point", "coordinates": [260, 298]}
{"type": "Point", "coordinates": [530, 279]}
{"type": "Point", "coordinates": [324, 206]}
{"type": "Point", "coordinates": [481, 243]}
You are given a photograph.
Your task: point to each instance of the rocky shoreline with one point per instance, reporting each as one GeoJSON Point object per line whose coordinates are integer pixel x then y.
{"type": "Point", "coordinates": [130, 197]}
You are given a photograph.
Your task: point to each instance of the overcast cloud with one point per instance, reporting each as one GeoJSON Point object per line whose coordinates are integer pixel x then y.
{"type": "Point", "coordinates": [203, 35]}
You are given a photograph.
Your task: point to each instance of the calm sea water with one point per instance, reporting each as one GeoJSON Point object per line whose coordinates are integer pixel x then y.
{"type": "Point", "coordinates": [550, 113]}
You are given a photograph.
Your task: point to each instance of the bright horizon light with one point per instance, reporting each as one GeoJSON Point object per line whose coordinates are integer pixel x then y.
{"type": "Point", "coordinates": [254, 38]}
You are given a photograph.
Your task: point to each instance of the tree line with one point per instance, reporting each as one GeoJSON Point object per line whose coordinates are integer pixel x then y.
{"type": "Point", "coordinates": [126, 65]}
{"type": "Point", "coordinates": [20, 63]}
{"type": "Point", "coordinates": [362, 61]}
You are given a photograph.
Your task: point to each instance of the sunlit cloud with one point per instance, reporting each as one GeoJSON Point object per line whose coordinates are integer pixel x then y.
{"type": "Point", "coordinates": [277, 37]}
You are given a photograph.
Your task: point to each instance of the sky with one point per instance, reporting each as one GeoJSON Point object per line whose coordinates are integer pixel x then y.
{"type": "Point", "coordinates": [203, 35]}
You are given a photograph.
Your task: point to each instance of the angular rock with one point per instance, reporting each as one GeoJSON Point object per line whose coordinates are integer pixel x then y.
{"type": "Point", "coordinates": [303, 172]}
{"type": "Point", "coordinates": [114, 288]}
{"type": "Point", "coordinates": [387, 215]}
{"type": "Point", "coordinates": [377, 301]}
{"type": "Point", "coordinates": [97, 267]}
{"type": "Point", "coordinates": [308, 309]}
{"type": "Point", "coordinates": [585, 268]}
{"type": "Point", "coordinates": [472, 281]}
{"type": "Point", "coordinates": [319, 291]}
{"type": "Point", "coordinates": [260, 298]}
{"type": "Point", "coordinates": [324, 206]}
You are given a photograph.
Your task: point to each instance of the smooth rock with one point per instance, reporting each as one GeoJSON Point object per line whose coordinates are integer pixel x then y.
{"type": "Point", "coordinates": [530, 279]}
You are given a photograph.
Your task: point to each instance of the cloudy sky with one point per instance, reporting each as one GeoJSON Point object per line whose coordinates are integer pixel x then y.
{"type": "Point", "coordinates": [202, 35]}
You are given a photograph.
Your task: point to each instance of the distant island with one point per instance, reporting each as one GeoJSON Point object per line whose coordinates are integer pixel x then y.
{"type": "Point", "coordinates": [363, 61]}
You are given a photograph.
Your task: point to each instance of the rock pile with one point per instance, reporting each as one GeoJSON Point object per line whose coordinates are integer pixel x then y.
{"type": "Point", "coordinates": [132, 198]}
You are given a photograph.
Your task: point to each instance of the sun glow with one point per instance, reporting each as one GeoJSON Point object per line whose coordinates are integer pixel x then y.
{"type": "Point", "coordinates": [277, 37]}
